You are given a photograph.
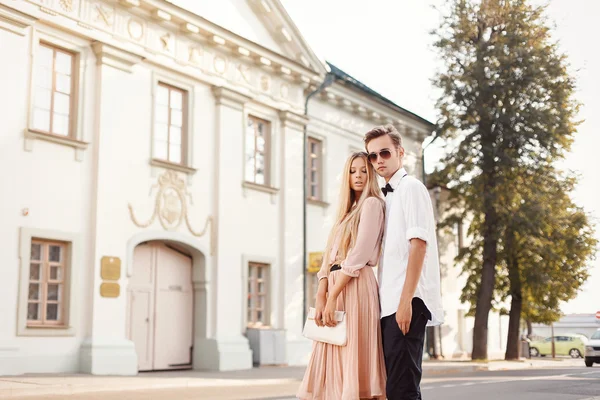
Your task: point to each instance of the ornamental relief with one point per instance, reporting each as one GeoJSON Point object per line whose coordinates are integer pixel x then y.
{"type": "Point", "coordinates": [171, 206]}
{"type": "Point", "coordinates": [102, 15]}
{"type": "Point", "coordinates": [66, 5]}
{"type": "Point", "coordinates": [135, 29]}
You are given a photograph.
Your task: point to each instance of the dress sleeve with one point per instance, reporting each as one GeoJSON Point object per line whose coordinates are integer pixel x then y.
{"type": "Point", "coordinates": [323, 271]}
{"type": "Point", "coordinates": [369, 229]}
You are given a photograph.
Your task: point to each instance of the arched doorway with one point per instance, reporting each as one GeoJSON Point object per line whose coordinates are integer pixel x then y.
{"type": "Point", "coordinates": [160, 301]}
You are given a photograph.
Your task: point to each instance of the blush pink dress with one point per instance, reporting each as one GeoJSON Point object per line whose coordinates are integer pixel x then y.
{"type": "Point", "coordinates": [357, 370]}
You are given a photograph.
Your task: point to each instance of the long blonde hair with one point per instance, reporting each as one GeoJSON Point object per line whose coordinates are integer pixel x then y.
{"type": "Point", "coordinates": [348, 217]}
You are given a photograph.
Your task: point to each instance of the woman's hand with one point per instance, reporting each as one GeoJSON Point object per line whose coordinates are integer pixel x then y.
{"type": "Point", "coordinates": [319, 308]}
{"type": "Point", "coordinates": [329, 312]}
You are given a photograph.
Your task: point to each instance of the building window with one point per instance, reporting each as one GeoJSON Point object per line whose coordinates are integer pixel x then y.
{"type": "Point", "coordinates": [170, 129]}
{"type": "Point", "coordinates": [315, 156]}
{"type": "Point", "coordinates": [54, 95]}
{"type": "Point", "coordinates": [46, 297]}
{"type": "Point", "coordinates": [257, 151]}
{"type": "Point", "coordinates": [258, 295]}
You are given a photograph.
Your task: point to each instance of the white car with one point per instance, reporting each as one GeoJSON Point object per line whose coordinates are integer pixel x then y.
{"type": "Point", "coordinates": [592, 350]}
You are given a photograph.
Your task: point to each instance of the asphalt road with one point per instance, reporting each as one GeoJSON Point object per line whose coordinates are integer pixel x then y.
{"type": "Point", "coordinates": [572, 383]}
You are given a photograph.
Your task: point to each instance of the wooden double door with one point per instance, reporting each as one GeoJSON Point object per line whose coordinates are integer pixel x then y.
{"type": "Point", "coordinates": [160, 307]}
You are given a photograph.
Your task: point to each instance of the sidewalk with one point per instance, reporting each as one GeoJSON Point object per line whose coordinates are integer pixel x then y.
{"type": "Point", "coordinates": [265, 378]}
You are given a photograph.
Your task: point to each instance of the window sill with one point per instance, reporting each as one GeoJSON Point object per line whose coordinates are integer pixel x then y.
{"type": "Point", "coordinates": [316, 202]}
{"type": "Point", "coordinates": [31, 135]}
{"type": "Point", "coordinates": [46, 330]}
{"type": "Point", "coordinates": [261, 188]}
{"type": "Point", "coordinates": [169, 165]}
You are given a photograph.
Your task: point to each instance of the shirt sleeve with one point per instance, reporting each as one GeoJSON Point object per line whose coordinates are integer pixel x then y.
{"type": "Point", "coordinates": [418, 211]}
{"type": "Point", "coordinates": [369, 229]}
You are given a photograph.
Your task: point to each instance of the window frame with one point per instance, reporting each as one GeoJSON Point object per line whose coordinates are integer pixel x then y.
{"type": "Point", "coordinates": [73, 95]}
{"type": "Point", "coordinates": [72, 243]}
{"type": "Point", "coordinates": [81, 51]}
{"type": "Point", "coordinates": [168, 79]}
{"type": "Point", "coordinates": [43, 282]}
{"type": "Point", "coordinates": [266, 153]}
{"type": "Point", "coordinates": [184, 124]}
{"type": "Point", "coordinates": [254, 322]}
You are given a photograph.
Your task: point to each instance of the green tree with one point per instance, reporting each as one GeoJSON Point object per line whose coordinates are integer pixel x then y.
{"type": "Point", "coordinates": [545, 247]}
{"type": "Point", "coordinates": [506, 100]}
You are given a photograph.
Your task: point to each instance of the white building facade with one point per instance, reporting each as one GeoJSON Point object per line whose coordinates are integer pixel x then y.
{"type": "Point", "coordinates": [152, 215]}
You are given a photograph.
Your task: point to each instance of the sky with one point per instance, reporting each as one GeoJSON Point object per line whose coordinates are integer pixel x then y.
{"type": "Point", "coordinates": [387, 45]}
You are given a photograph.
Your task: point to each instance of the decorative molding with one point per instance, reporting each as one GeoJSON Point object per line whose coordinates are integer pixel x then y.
{"type": "Point", "coordinates": [169, 165]}
{"type": "Point", "coordinates": [161, 15]}
{"type": "Point", "coordinates": [170, 205]}
{"type": "Point", "coordinates": [290, 118]}
{"type": "Point", "coordinates": [130, 3]}
{"type": "Point", "coordinates": [230, 98]}
{"type": "Point", "coordinates": [66, 5]}
{"type": "Point", "coordinates": [15, 21]}
{"type": "Point", "coordinates": [136, 29]}
{"type": "Point", "coordinates": [104, 15]}
{"type": "Point", "coordinates": [133, 22]}
{"type": "Point", "coordinates": [117, 58]}
{"type": "Point", "coordinates": [220, 65]}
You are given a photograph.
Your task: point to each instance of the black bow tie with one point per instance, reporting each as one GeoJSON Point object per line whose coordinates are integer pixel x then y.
{"type": "Point", "coordinates": [387, 189]}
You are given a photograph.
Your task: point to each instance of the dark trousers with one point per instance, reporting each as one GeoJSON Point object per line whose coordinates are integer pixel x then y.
{"type": "Point", "coordinates": [404, 353]}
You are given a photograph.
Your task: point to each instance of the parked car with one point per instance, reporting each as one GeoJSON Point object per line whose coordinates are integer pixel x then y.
{"type": "Point", "coordinates": [565, 345]}
{"type": "Point", "coordinates": [592, 350]}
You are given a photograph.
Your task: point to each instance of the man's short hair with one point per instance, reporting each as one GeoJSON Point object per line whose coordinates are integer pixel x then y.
{"type": "Point", "coordinates": [381, 130]}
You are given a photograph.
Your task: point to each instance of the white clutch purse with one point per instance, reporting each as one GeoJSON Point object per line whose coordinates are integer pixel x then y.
{"type": "Point", "coordinates": [337, 335]}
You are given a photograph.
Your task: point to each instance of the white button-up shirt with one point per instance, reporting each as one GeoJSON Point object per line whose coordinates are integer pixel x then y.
{"type": "Point", "coordinates": [409, 215]}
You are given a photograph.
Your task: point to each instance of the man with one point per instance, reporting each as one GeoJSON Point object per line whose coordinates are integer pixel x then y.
{"type": "Point", "coordinates": [409, 272]}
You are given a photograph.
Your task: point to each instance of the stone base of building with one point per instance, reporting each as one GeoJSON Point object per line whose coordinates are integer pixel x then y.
{"type": "Point", "coordinates": [226, 354]}
{"type": "Point", "coordinates": [108, 356]}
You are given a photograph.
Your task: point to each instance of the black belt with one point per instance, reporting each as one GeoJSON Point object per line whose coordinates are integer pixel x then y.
{"type": "Point", "coordinates": [335, 267]}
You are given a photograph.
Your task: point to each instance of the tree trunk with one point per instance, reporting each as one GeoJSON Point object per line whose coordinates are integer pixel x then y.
{"type": "Point", "coordinates": [529, 329]}
{"type": "Point", "coordinates": [488, 281]}
{"type": "Point", "coordinates": [490, 225]}
{"type": "Point", "coordinates": [513, 342]}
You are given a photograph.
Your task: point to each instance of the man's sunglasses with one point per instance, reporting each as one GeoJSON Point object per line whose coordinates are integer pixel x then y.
{"type": "Point", "coordinates": [384, 154]}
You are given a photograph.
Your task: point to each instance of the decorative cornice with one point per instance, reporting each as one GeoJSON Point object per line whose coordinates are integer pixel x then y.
{"type": "Point", "coordinates": [290, 118]}
{"type": "Point", "coordinates": [230, 98]}
{"type": "Point", "coordinates": [367, 107]}
{"type": "Point", "coordinates": [15, 21]}
{"type": "Point", "coordinates": [117, 58]}
{"type": "Point", "coordinates": [185, 44]}
{"type": "Point", "coordinates": [207, 31]}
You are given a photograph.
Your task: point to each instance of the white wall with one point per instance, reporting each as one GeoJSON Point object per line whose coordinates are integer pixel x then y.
{"type": "Point", "coordinates": [55, 188]}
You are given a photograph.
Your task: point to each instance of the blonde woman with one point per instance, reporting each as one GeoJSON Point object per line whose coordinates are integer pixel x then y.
{"type": "Point", "coordinates": [347, 283]}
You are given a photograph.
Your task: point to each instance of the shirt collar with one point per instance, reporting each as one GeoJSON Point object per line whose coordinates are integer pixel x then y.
{"type": "Point", "coordinates": [397, 177]}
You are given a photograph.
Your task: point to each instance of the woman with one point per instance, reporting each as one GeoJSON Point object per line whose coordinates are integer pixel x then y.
{"type": "Point", "coordinates": [357, 370]}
